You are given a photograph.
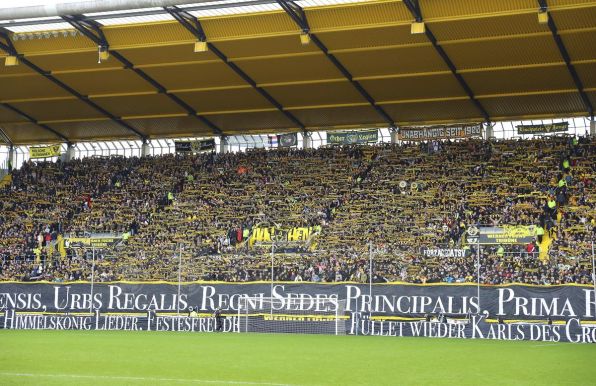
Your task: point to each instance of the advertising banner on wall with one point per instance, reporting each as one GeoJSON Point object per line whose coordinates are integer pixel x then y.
{"type": "Point", "coordinates": [431, 133]}
{"type": "Point", "coordinates": [389, 300]}
{"type": "Point", "coordinates": [45, 151]}
{"type": "Point", "coordinates": [352, 137]}
{"type": "Point", "coordinates": [545, 128]}
{"type": "Point", "coordinates": [573, 330]}
{"type": "Point", "coordinates": [392, 310]}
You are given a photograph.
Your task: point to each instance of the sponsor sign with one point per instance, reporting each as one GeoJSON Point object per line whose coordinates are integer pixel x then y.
{"type": "Point", "coordinates": [352, 137]}
{"type": "Point", "coordinates": [194, 146]}
{"type": "Point", "coordinates": [431, 133]}
{"type": "Point", "coordinates": [559, 127]}
{"type": "Point", "coordinates": [45, 151]}
{"type": "Point", "coordinates": [506, 234]}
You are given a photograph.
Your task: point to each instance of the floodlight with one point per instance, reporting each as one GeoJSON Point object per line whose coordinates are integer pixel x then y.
{"type": "Point", "coordinates": [543, 16]}
{"type": "Point", "coordinates": [418, 28]}
{"type": "Point", "coordinates": [102, 53]}
{"type": "Point", "coordinates": [11, 61]}
{"type": "Point", "coordinates": [201, 46]}
{"type": "Point", "coordinates": [305, 38]}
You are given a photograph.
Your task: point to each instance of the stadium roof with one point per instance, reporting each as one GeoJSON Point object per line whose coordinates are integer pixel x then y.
{"type": "Point", "coordinates": [476, 61]}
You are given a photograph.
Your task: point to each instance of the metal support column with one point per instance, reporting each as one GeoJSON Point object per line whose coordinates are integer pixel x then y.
{"type": "Point", "coordinates": [145, 149]}
{"type": "Point", "coordinates": [10, 157]}
{"type": "Point", "coordinates": [70, 152]}
{"type": "Point", "coordinates": [370, 275]}
{"type": "Point", "coordinates": [272, 273]}
{"type": "Point", "coordinates": [223, 145]}
{"type": "Point", "coordinates": [394, 136]}
{"type": "Point", "coordinates": [306, 140]}
{"type": "Point", "coordinates": [478, 274]}
{"type": "Point", "coordinates": [488, 131]}
{"type": "Point", "coordinates": [593, 269]}
{"type": "Point", "coordinates": [179, 280]}
{"type": "Point", "coordinates": [92, 278]}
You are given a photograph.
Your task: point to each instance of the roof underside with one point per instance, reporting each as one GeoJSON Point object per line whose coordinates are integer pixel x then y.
{"type": "Point", "coordinates": [510, 62]}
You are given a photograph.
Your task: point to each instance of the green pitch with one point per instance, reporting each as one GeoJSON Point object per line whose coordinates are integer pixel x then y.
{"type": "Point", "coordinates": [148, 358]}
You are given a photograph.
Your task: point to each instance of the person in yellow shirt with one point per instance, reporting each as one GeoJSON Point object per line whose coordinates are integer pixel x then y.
{"type": "Point", "coordinates": [539, 233]}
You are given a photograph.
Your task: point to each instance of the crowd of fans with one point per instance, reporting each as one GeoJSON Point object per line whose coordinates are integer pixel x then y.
{"type": "Point", "coordinates": [198, 214]}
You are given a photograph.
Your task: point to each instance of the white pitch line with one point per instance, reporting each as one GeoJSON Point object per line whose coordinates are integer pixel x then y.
{"type": "Point", "coordinates": [154, 379]}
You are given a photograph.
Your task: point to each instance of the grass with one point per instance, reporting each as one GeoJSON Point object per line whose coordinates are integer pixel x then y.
{"type": "Point", "coordinates": [160, 358]}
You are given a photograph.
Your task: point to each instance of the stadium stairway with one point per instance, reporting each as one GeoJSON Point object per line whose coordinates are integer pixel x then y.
{"type": "Point", "coordinates": [544, 246]}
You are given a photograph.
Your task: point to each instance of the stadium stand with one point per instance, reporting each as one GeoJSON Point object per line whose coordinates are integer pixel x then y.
{"type": "Point", "coordinates": [222, 208]}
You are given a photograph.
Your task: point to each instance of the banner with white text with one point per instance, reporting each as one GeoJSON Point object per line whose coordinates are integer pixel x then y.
{"type": "Point", "coordinates": [515, 302]}
{"type": "Point", "coordinates": [441, 310]}
{"type": "Point", "coordinates": [352, 137]}
{"type": "Point", "coordinates": [544, 128]}
{"type": "Point", "coordinates": [432, 133]}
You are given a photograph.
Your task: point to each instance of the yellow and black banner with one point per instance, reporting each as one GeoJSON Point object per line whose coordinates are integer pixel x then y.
{"type": "Point", "coordinates": [45, 151]}
{"type": "Point", "coordinates": [504, 234]}
{"type": "Point", "coordinates": [260, 234]}
{"type": "Point", "coordinates": [97, 242]}
{"type": "Point", "coordinates": [431, 133]}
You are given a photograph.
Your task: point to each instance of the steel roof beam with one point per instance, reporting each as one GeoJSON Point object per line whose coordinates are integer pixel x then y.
{"type": "Point", "coordinates": [10, 49]}
{"type": "Point", "coordinates": [150, 12]}
{"type": "Point", "coordinates": [84, 6]}
{"type": "Point", "coordinates": [30, 119]}
{"type": "Point", "coordinates": [193, 25]}
{"type": "Point", "coordinates": [567, 58]}
{"type": "Point", "coordinates": [296, 13]}
{"type": "Point", "coordinates": [414, 8]}
{"type": "Point", "coordinates": [92, 30]}
{"type": "Point", "coordinates": [5, 137]}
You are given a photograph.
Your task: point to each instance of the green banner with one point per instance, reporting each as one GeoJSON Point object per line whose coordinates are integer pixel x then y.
{"type": "Point", "coordinates": [44, 151]}
{"type": "Point", "coordinates": [559, 127]}
{"type": "Point", "coordinates": [351, 137]}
